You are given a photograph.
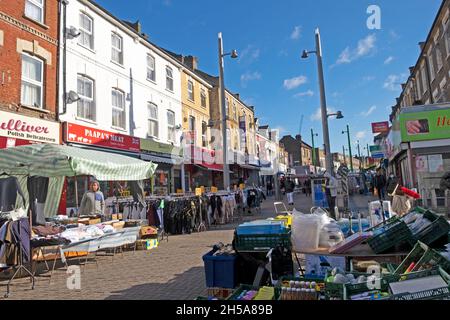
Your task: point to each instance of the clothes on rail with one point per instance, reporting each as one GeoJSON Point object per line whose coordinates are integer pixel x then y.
{"type": "Point", "coordinates": [9, 190]}
{"type": "Point", "coordinates": [14, 240]}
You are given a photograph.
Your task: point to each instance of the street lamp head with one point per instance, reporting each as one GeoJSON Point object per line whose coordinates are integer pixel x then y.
{"type": "Point", "coordinates": [339, 115]}
{"type": "Point", "coordinates": [305, 54]}
{"type": "Point", "coordinates": [234, 54]}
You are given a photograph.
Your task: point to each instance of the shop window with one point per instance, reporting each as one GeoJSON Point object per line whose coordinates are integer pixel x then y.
{"type": "Point", "coordinates": [86, 104]}
{"type": "Point", "coordinates": [34, 9]}
{"type": "Point", "coordinates": [32, 88]}
{"type": "Point", "coordinates": [118, 108]}
{"type": "Point", "coordinates": [86, 38]}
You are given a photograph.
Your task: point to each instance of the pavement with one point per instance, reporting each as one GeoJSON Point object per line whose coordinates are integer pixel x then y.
{"type": "Point", "coordinates": [173, 271]}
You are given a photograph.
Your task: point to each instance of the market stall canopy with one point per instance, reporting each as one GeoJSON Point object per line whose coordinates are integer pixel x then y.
{"type": "Point", "coordinates": [48, 160]}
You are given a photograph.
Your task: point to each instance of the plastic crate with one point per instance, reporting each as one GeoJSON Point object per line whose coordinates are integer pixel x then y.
{"type": "Point", "coordinates": [424, 257]}
{"type": "Point", "coordinates": [438, 229]}
{"type": "Point", "coordinates": [240, 289]}
{"type": "Point", "coordinates": [392, 234]}
{"type": "Point", "coordinates": [265, 242]}
{"type": "Point", "coordinates": [260, 227]}
{"type": "Point", "coordinates": [220, 270]}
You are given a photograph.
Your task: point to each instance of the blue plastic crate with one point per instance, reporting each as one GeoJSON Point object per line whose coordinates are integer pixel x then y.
{"type": "Point", "coordinates": [220, 270]}
{"type": "Point", "coordinates": [260, 227]}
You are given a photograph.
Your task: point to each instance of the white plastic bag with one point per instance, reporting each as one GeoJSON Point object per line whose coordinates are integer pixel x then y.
{"type": "Point", "coordinates": [305, 231]}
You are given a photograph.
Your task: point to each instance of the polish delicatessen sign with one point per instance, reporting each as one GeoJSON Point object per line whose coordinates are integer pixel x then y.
{"type": "Point", "coordinates": [16, 126]}
{"type": "Point", "coordinates": [91, 136]}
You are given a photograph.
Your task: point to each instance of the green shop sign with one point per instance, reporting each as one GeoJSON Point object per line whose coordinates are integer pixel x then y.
{"type": "Point", "coordinates": [430, 124]}
{"type": "Point", "coordinates": [154, 146]}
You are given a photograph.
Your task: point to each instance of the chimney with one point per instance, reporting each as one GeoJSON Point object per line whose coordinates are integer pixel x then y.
{"type": "Point", "coordinates": [136, 26]}
{"type": "Point", "coordinates": [238, 96]}
{"type": "Point", "coordinates": [191, 62]}
{"type": "Point", "coordinates": [252, 108]}
{"type": "Point", "coordinates": [298, 138]}
{"type": "Point", "coordinates": [411, 70]}
{"type": "Point", "coordinates": [422, 45]}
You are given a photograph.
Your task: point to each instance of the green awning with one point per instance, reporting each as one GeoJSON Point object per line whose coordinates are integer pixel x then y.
{"type": "Point", "coordinates": [47, 160]}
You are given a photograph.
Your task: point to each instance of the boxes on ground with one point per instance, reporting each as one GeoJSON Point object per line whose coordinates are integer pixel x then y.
{"type": "Point", "coordinates": [147, 244]}
{"type": "Point", "coordinates": [220, 270]}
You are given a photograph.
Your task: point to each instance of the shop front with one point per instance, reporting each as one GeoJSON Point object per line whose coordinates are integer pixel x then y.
{"type": "Point", "coordinates": [99, 140]}
{"type": "Point", "coordinates": [169, 159]}
{"type": "Point", "coordinates": [18, 130]}
{"type": "Point", "coordinates": [203, 167]}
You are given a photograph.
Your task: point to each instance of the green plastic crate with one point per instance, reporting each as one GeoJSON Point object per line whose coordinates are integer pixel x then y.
{"type": "Point", "coordinates": [240, 289]}
{"type": "Point", "coordinates": [438, 229]}
{"type": "Point", "coordinates": [395, 233]}
{"type": "Point", "coordinates": [264, 242]}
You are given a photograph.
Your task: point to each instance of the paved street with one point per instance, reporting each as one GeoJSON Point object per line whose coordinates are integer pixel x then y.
{"type": "Point", "coordinates": [171, 272]}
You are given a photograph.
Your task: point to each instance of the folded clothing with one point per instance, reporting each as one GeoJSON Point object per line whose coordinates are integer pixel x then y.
{"type": "Point", "coordinates": [47, 230]}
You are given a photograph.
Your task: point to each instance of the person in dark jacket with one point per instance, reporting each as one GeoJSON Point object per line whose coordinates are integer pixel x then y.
{"type": "Point", "coordinates": [380, 184]}
{"type": "Point", "coordinates": [290, 186]}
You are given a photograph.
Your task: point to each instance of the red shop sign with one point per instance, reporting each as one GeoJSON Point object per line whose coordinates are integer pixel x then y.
{"type": "Point", "coordinates": [380, 127]}
{"type": "Point", "coordinates": [91, 136]}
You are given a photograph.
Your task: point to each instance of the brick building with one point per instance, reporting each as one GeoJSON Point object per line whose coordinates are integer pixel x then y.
{"type": "Point", "coordinates": [28, 70]}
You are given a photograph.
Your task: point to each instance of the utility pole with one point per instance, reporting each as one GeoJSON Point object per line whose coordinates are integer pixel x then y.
{"type": "Point", "coordinates": [313, 149]}
{"type": "Point", "coordinates": [349, 147]}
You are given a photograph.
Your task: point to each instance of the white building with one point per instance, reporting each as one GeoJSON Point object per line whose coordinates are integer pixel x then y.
{"type": "Point", "coordinates": [267, 148]}
{"type": "Point", "coordinates": [114, 81]}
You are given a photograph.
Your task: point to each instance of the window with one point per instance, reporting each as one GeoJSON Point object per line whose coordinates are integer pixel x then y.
{"type": "Point", "coordinates": [430, 63]}
{"type": "Point", "coordinates": [118, 108]}
{"type": "Point", "coordinates": [116, 48]}
{"type": "Point", "coordinates": [203, 97]}
{"type": "Point", "coordinates": [235, 111]}
{"type": "Point", "coordinates": [438, 57]}
{"type": "Point", "coordinates": [227, 104]}
{"type": "Point", "coordinates": [190, 88]}
{"type": "Point", "coordinates": [424, 79]}
{"type": "Point", "coordinates": [34, 9]}
{"type": "Point", "coordinates": [171, 126]}
{"type": "Point", "coordinates": [86, 104]}
{"type": "Point", "coordinates": [417, 83]}
{"type": "Point", "coordinates": [151, 73]}
{"type": "Point", "coordinates": [32, 88]}
{"type": "Point", "coordinates": [152, 120]}
{"type": "Point", "coordinates": [192, 130]}
{"type": "Point", "coordinates": [204, 133]}
{"type": "Point", "coordinates": [86, 38]}
{"type": "Point", "coordinates": [446, 35]}
{"type": "Point", "coordinates": [169, 78]}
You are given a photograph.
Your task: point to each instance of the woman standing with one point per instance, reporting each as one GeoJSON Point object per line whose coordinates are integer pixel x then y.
{"type": "Point", "coordinates": [93, 202]}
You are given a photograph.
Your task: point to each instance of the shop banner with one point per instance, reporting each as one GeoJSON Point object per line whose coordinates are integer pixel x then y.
{"type": "Point", "coordinates": [155, 146]}
{"type": "Point", "coordinates": [380, 127]}
{"type": "Point", "coordinates": [16, 126]}
{"type": "Point", "coordinates": [91, 136]}
{"type": "Point", "coordinates": [430, 124]}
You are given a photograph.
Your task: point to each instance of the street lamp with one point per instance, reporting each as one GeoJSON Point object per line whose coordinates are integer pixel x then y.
{"type": "Point", "coordinates": [338, 115]}
{"type": "Point", "coordinates": [323, 102]}
{"type": "Point", "coordinates": [349, 147]}
{"type": "Point", "coordinates": [313, 148]}
{"type": "Point", "coordinates": [234, 55]}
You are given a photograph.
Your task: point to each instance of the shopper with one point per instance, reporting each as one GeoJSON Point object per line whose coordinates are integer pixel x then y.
{"type": "Point", "coordinates": [331, 192]}
{"type": "Point", "coordinates": [269, 188]}
{"type": "Point", "coordinates": [93, 202]}
{"type": "Point", "coordinates": [308, 187]}
{"type": "Point", "coordinates": [380, 184]}
{"type": "Point", "coordinates": [290, 187]}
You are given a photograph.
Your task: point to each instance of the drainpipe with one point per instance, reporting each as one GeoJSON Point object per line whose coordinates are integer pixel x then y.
{"type": "Point", "coordinates": [63, 7]}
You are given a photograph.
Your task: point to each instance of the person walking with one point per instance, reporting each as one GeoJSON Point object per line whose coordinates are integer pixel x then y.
{"type": "Point", "coordinates": [269, 188]}
{"type": "Point", "coordinates": [380, 184]}
{"type": "Point", "coordinates": [93, 201]}
{"type": "Point", "coordinates": [308, 187]}
{"type": "Point", "coordinates": [331, 192]}
{"type": "Point", "coordinates": [290, 187]}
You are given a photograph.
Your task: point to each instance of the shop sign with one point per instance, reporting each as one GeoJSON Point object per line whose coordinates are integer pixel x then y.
{"type": "Point", "coordinates": [380, 127]}
{"type": "Point", "coordinates": [376, 152]}
{"type": "Point", "coordinates": [158, 147]}
{"type": "Point", "coordinates": [91, 136]}
{"type": "Point", "coordinates": [430, 124]}
{"type": "Point", "coordinates": [16, 126]}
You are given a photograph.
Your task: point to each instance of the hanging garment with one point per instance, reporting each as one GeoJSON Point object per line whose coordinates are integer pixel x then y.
{"type": "Point", "coordinates": [9, 189]}
{"type": "Point", "coordinates": [37, 191]}
{"type": "Point", "coordinates": [401, 205]}
{"type": "Point", "coordinates": [126, 212]}
{"type": "Point", "coordinates": [143, 213]}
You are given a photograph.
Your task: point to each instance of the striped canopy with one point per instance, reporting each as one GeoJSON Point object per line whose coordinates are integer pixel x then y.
{"type": "Point", "coordinates": [48, 160]}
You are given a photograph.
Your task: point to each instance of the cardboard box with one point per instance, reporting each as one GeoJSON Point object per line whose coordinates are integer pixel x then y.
{"type": "Point", "coordinates": [95, 221]}
{"type": "Point", "coordinates": [148, 231]}
{"type": "Point", "coordinates": [147, 244]}
{"type": "Point", "coordinates": [118, 225]}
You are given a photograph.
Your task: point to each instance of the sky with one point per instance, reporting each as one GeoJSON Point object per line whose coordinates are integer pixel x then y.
{"type": "Point", "coordinates": [363, 68]}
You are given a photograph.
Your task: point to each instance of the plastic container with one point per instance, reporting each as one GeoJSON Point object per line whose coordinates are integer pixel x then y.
{"type": "Point", "coordinates": [220, 270]}
{"type": "Point", "coordinates": [330, 235]}
{"type": "Point", "coordinates": [438, 229]}
{"type": "Point", "coordinates": [345, 225]}
{"type": "Point", "coordinates": [305, 232]}
{"type": "Point", "coordinates": [262, 242]}
{"type": "Point", "coordinates": [387, 237]}
{"type": "Point", "coordinates": [260, 227]}
{"type": "Point", "coordinates": [375, 212]}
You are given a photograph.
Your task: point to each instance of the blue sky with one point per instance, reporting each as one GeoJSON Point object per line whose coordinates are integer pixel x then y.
{"type": "Point", "coordinates": [363, 68]}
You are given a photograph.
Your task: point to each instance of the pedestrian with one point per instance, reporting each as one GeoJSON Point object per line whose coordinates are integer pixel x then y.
{"type": "Point", "coordinates": [380, 184]}
{"type": "Point", "coordinates": [269, 188]}
{"type": "Point", "coordinates": [290, 187]}
{"type": "Point", "coordinates": [331, 192]}
{"type": "Point", "coordinates": [283, 185]}
{"type": "Point", "coordinates": [308, 187]}
{"type": "Point", "coordinates": [93, 201]}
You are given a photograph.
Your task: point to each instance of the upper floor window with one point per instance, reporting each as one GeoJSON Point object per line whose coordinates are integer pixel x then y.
{"type": "Point", "coordinates": [438, 57]}
{"type": "Point", "coordinates": [431, 63]}
{"type": "Point", "coordinates": [151, 70]}
{"type": "Point", "coordinates": [86, 38]}
{"type": "Point", "coordinates": [204, 132]}
{"type": "Point", "coordinates": [171, 126]}
{"type": "Point", "coordinates": [152, 120]}
{"type": "Point", "coordinates": [424, 80]}
{"type": "Point", "coordinates": [235, 111]}
{"type": "Point", "coordinates": [446, 35]}
{"type": "Point", "coordinates": [169, 78]}
{"type": "Point", "coordinates": [32, 88]}
{"type": "Point", "coordinates": [86, 104]}
{"type": "Point", "coordinates": [34, 9]}
{"type": "Point", "coordinates": [192, 129]}
{"type": "Point", "coordinates": [118, 108]}
{"type": "Point", "coordinates": [227, 105]}
{"type": "Point", "coordinates": [190, 89]}
{"type": "Point", "coordinates": [116, 48]}
{"type": "Point", "coordinates": [203, 97]}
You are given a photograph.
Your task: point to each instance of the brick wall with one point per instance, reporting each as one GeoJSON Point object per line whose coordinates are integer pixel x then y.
{"type": "Point", "coordinates": [20, 34]}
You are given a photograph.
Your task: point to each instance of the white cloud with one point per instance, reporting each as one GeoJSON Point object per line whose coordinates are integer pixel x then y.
{"type": "Point", "coordinates": [361, 134]}
{"type": "Point", "coordinates": [308, 93]}
{"type": "Point", "coordinates": [317, 116]}
{"type": "Point", "coordinates": [369, 111]}
{"type": "Point", "coordinates": [295, 82]}
{"type": "Point", "coordinates": [249, 54]}
{"type": "Point", "coordinates": [389, 60]}
{"type": "Point", "coordinates": [393, 81]}
{"type": "Point", "coordinates": [365, 47]}
{"type": "Point", "coordinates": [369, 78]}
{"type": "Point", "coordinates": [250, 76]}
{"type": "Point", "coordinates": [296, 33]}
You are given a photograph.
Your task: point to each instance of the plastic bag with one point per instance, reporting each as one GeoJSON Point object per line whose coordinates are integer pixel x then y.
{"type": "Point", "coordinates": [305, 231]}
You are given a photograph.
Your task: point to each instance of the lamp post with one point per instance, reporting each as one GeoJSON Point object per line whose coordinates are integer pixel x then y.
{"type": "Point", "coordinates": [349, 147]}
{"type": "Point", "coordinates": [343, 152]}
{"type": "Point", "coordinates": [359, 155]}
{"type": "Point", "coordinates": [233, 54]}
{"type": "Point", "coordinates": [323, 102]}
{"type": "Point", "coordinates": [314, 149]}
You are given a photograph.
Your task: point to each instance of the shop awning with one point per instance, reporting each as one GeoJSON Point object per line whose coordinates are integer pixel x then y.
{"type": "Point", "coordinates": [158, 159]}
{"type": "Point", "coordinates": [211, 167]}
{"type": "Point", "coordinates": [249, 167]}
{"type": "Point", "coordinates": [47, 160]}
